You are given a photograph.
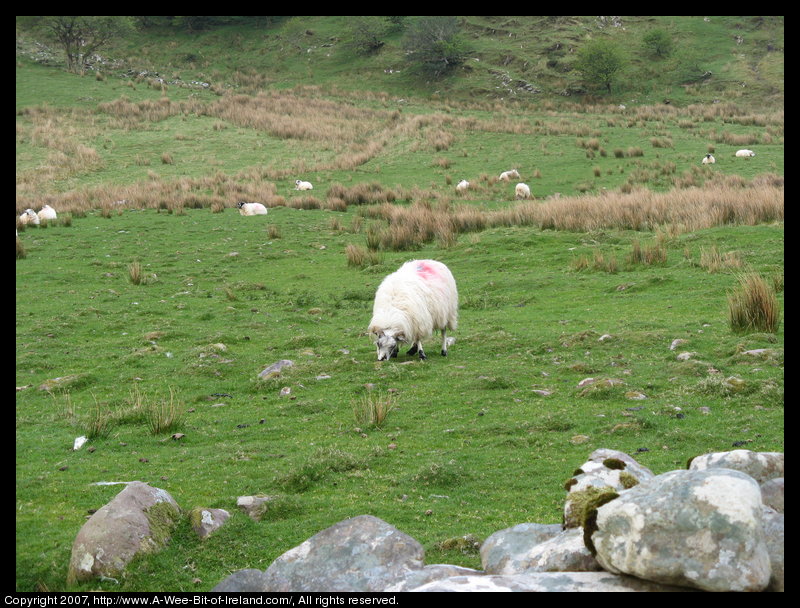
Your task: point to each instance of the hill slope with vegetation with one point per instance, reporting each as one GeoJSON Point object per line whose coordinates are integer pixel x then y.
{"type": "Point", "coordinates": [680, 59]}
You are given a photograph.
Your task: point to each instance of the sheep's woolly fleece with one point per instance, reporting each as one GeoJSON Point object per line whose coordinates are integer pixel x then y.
{"type": "Point", "coordinates": [411, 303]}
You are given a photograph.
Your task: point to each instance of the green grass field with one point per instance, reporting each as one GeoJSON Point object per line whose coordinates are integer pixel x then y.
{"type": "Point", "coordinates": [478, 441]}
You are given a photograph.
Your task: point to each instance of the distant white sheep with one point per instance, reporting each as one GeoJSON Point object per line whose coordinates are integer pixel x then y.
{"type": "Point", "coordinates": [462, 186]}
{"type": "Point", "coordinates": [47, 213]}
{"type": "Point", "coordinates": [412, 303]}
{"type": "Point", "coordinates": [506, 176]}
{"type": "Point", "coordinates": [29, 217]}
{"type": "Point", "coordinates": [522, 191]}
{"type": "Point", "coordinates": [745, 153]}
{"type": "Point", "coordinates": [708, 159]}
{"type": "Point", "coordinates": [251, 208]}
{"type": "Point", "coordinates": [301, 185]}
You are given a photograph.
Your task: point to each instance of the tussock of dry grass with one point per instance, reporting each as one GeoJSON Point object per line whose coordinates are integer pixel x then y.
{"type": "Point", "coordinates": [362, 194]}
{"type": "Point", "coordinates": [360, 256]}
{"type": "Point", "coordinates": [752, 306]}
{"type": "Point", "coordinates": [682, 210]}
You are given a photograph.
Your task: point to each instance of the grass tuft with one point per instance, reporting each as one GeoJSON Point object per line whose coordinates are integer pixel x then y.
{"type": "Point", "coordinates": [753, 306]}
{"type": "Point", "coordinates": [372, 409]}
{"type": "Point", "coordinates": [164, 415]}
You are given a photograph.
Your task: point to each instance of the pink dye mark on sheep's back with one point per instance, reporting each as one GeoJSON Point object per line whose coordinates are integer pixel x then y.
{"type": "Point", "coordinates": [427, 271]}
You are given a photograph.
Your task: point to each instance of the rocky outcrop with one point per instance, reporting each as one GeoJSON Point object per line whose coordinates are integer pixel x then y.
{"type": "Point", "coordinates": [700, 529]}
{"type": "Point", "coordinates": [713, 527]}
{"type": "Point", "coordinates": [140, 519]}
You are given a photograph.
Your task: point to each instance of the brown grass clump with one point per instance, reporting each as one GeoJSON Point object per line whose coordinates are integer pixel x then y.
{"type": "Point", "coordinates": [372, 193]}
{"type": "Point", "coordinates": [359, 256]}
{"type": "Point", "coordinates": [713, 261]}
{"type": "Point", "coordinates": [135, 273]}
{"type": "Point", "coordinates": [753, 306]}
{"type": "Point", "coordinates": [372, 410]}
{"type": "Point", "coordinates": [648, 255]}
{"type": "Point", "coordinates": [304, 202]}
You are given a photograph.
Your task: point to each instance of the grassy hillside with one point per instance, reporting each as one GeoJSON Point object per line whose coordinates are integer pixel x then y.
{"type": "Point", "coordinates": [170, 303]}
{"type": "Point", "coordinates": [529, 59]}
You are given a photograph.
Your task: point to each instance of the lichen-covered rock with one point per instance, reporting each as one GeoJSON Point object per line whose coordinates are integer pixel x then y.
{"type": "Point", "coordinates": [761, 466]}
{"type": "Point", "coordinates": [363, 553]}
{"type": "Point", "coordinates": [606, 472]}
{"type": "Point", "coordinates": [274, 370]}
{"type": "Point", "coordinates": [428, 574]}
{"type": "Point", "coordinates": [504, 550]}
{"type": "Point", "coordinates": [772, 494]}
{"type": "Point", "coordinates": [563, 582]}
{"type": "Point", "coordinates": [774, 535]}
{"type": "Point", "coordinates": [242, 581]}
{"type": "Point", "coordinates": [699, 528]}
{"type": "Point", "coordinates": [139, 519]}
{"type": "Point", "coordinates": [254, 506]}
{"type": "Point", "coordinates": [206, 521]}
{"type": "Point", "coordinates": [516, 554]}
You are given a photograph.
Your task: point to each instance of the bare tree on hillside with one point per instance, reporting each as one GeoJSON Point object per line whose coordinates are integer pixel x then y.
{"type": "Point", "coordinates": [82, 37]}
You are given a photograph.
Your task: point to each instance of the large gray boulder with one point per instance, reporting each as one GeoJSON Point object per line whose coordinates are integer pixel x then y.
{"type": "Point", "coordinates": [774, 533]}
{"type": "Point", "coordinates": [433, 572]}
{"type": "Point", "coordinates": [700, 528]}
{"type": "Point", "coordinates": [507, 551]}
{"type": "Point", "coordinates": [363, 553]}
{"type": "Point", "coordinates": [761, 466]}
{"type": "Point", "coordinates": [606, 473]}
{"type": "Point", "coordinates": [243, 581]}
{"type": "Point", "coordinates": [553, 582]}
{"type": "Point", "coordinates": [772, 493]}
{"type": "Point", "coordinates": [510, 552]}
{"type": "Point", "coordinates": [140, 519]}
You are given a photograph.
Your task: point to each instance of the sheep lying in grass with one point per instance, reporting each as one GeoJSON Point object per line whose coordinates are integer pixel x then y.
{"type": "Point", "coordinates": [522, 191]}
{"type": "Point", "coordinates": [745, 153]}
{"type": "Point", "coordinates": [708, 159]}
{"type": "Point", "coordinates": [462, 186]}
{"type": "Point", "coordinates": [47, 213]}
{"type": "Point", "coordinates": [412, 303]}
{"type": "Point", "coordinates": [29, 217]}
{"type": "Point", "coordinates": [301, 185]}
{"type": "Point", "coordinates": [251, 208]}
{"type": "Point", "coordinates": [506, 176]}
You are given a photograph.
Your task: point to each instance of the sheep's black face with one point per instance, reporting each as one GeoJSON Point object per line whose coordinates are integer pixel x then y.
{"type": "Point", "coordinates": [387, 347]}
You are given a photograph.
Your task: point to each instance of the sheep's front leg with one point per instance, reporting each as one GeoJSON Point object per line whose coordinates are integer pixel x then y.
{"type": "Point", "coordinates": [417, 350]}
{"type": "Point", "coordinates": [444, 343]}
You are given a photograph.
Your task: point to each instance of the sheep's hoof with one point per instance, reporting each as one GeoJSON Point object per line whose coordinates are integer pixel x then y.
{"type": "Point", "coordinates": [444, 353]}
{"type": "Point", "coordinates": [422, 356]}
{"type": "Point", "coordinates": [412, 350]}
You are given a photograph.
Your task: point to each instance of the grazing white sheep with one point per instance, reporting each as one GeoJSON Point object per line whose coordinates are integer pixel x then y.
{"type": "Point", "coordinates": [462, 186]}
{"type": "Point", "coordinates": [745, 153]}
{"type": "Point", "coordinates": [47, 213]}
{"type": "Point", "coordinates": [412, 303]}
{"type": "Point", "coordinates": [29, 217]}
{"type": "Point", "coordinates": [301, 185]}
{"type": "Point", "coordinates": [251, 208]}
{"type": "Point", "coordinates": [522, 191]}
{"type": "Point", "coordinates": [506, 176]}
{"type": "Point", "coordinates": [708, 159]}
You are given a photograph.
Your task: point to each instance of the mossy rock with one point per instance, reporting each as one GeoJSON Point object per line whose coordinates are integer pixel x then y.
{"type": "Point", "coordinates": [582, 501]}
